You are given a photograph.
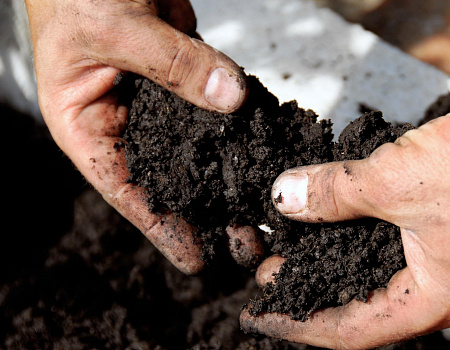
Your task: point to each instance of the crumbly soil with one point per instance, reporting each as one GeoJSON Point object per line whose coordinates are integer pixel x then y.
{"type": "Point", "coordinates": [216, 170]}
{"type": "Point", "coordinates": [74, 274]}
{"type": "Point", "coordinates": [331, 264]}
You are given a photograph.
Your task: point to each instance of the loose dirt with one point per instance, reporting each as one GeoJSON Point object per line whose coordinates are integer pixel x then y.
{"type": "Point", "coordinates": [215, 170]}
{"type": "Point", "coordinates": [76, 275]}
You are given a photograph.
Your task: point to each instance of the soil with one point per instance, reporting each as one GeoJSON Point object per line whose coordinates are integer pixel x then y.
{"type": "Point", "coordinates": [437, 109]}
{"type": "Point", "coordinates": [216, 170]}
{"type": "Point", "coordinates": [76, 275]}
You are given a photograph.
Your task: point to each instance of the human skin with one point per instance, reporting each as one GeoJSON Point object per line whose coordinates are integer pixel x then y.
{"type": "Point", "coordinates": [406, 183]}
{"type": "Point", "coordinates": [79, 48]}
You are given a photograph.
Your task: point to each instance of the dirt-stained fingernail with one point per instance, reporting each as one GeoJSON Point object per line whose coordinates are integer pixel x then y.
{"type": "Point", "coordinates": [224, 90]}
{"type": "Point", "coordinates": [290, 192]}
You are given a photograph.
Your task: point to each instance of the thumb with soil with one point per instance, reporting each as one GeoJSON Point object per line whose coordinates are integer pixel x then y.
{"type": "Point", "coordinates": [406, 183]}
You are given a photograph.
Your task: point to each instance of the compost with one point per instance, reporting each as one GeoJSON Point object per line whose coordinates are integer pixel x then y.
{"type": "Point", "coordinates": [215, 170]}
{"type": "Point", "coordinates": [76, 275]}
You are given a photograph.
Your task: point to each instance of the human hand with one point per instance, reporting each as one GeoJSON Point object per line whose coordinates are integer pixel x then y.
{"type": "Point", "coordinates": [79, 48]}
{"type": "Point", "coordinates": [406, 183]}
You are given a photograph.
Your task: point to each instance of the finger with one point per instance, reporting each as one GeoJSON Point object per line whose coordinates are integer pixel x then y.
{"type": "Point", "coordinates": [177, 241]}
{"type": "Point", "coordinates": [172, 236]}
{"type": "Point", "coordinates": [390, 315]}
{"type": "Point", "coordinates": [102, 161]}
{"type": "Point", "coordinates": [385, 186]}
{"type": "Point", "coordinates": [330, 192]}
{"type": "Point", "coordinates": [267, 270]}
{"type": "Point", "coordinates": [152, 48]}
{"type": "Point", "coordinates": [400, 182]}
{"type": "Point", "coordinates": [245, 246]}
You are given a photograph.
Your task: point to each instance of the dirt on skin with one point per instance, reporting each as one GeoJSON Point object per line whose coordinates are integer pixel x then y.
{"type": "Point", "coordinates": [215, 170]}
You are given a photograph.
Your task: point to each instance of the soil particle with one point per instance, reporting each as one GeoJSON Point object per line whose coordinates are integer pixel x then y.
{"type": "Point", "coordinates": [215, 170]}
{"type": "Point", "coordinates": [279, 198]}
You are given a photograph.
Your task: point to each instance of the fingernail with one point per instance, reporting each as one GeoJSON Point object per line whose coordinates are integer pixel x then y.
{"type": "Point", "coordinates": [290, 192]}
{"type": "Point", "coordinates": [223, 90]}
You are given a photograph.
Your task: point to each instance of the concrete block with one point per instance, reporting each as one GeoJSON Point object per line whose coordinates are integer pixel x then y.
{"type": "Point", "coordinates": [311, 54]}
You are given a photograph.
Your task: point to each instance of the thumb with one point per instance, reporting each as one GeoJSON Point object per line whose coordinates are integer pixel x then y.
{"type": "Point", "coordinates": [386, 185]}
{"type": "Point", "coordinates": [325, 192]}
{"type": "Point", "coordinates": [192, 69]}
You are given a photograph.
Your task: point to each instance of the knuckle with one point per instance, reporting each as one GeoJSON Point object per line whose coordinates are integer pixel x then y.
{"type": "Point", "coordinates": [407, 138]}
{"type": "Point", "coordinates": [382, 153]}
{"type": "Point", "coordinates": [439, 130]}
{"type": "Point", "coordinates": [382, 174]}
{"type": "Point", "coordinates": [395, 176]}
{"type": "Point", "coordinates": [182, 63]}
{"type": "Point", "coordinates": [345, 337]}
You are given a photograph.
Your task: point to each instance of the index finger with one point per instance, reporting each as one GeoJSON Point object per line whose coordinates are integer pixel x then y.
{"type": "Point", "coordinates": [93, 143]}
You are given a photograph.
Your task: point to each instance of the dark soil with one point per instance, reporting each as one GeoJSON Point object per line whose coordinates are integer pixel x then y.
{"type": "Point", "coordinates": [214, 170]}
{"type": "Point", "coordinates": [437, 109]}
{"type": "Point", "coordinates": [76, 275]}
{"type": "Point", "coordinates": [331, 264]}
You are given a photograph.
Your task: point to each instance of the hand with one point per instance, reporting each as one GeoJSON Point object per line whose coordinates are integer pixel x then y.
{"type": "Point", "coordinates": [79, 47]}
{"type": "Point", "coordinates": [406, 183]}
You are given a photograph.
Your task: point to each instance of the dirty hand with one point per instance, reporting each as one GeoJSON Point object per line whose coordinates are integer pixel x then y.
{"type": "Point", "coordinates": [79, 48]}
{"type": "Point", "coordinates": [406, 183]}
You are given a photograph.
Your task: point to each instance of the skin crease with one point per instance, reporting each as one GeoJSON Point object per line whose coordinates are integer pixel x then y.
{"type": "Point", "coordinates": [79, 48]}
{"type": "Point", "coordinates": [406, 183]}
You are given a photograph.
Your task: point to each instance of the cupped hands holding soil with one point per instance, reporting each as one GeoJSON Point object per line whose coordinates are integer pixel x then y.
{"type": "Point", "coordinates": [216, 170]}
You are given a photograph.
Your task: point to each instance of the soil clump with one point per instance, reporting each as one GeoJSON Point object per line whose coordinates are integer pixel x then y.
{"type": "Point", "coordinates": [215, 170]}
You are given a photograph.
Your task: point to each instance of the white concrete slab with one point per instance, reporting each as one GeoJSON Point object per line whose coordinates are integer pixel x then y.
{"type": "Point", "coordinates": [314, 56]}
{"type": "Point", "coordinates": [17, 78]}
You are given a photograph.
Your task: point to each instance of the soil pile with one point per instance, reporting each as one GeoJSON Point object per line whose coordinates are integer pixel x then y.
{"type": "Point", "coordinates": [215, 170]}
